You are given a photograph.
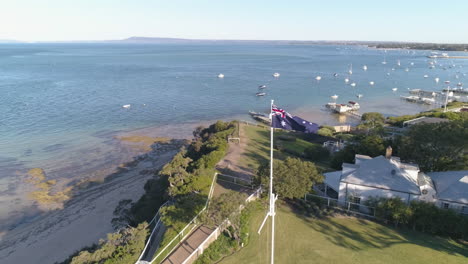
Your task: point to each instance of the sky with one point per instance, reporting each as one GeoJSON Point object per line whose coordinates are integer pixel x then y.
{"type": "Point", "coordinates": [396, 20]}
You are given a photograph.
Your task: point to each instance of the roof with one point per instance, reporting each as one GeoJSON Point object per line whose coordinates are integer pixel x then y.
{"type": "Point", "coordinates": [332, 179]}
{"type": "Point", "coordinates": [424, 119]}
{"type": "Point", "coordinates": [451, 185]}
{"type": "Point", "coordinates": [383, 173]}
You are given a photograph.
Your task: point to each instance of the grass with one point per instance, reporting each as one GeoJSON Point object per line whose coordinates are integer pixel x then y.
{"type": "Point", "coordinates": [258, 148]}
{"type": "Point", "coordinates": [300, 239]}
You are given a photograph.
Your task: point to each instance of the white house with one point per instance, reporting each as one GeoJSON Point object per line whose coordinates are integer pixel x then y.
{"type": "Point", "coordinates": [389, 177]}
{"type": "Point", "coordinates": [452, 189]}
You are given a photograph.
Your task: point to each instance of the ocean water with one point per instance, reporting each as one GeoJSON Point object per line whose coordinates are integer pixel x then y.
{"type": "Point", "coordinates": [61, 104]}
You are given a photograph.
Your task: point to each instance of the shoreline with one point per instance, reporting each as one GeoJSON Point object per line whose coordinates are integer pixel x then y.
{"type": "Point", "coordinates": [86, 217]}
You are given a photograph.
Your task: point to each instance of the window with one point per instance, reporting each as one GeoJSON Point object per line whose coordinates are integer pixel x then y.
{"type": "Point", "coordinates": [445, 205]}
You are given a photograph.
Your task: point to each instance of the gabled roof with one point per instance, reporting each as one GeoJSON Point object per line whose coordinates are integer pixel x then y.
{"type": "Point", "coordinates": [451, 185]}
{"type": "Point", "coordinates": [332, 179]}
{"type": "Point", "coordinates": [383, 173]}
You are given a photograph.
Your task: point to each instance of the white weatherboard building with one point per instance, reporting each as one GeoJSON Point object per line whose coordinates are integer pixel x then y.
{"type": "Point", "coordinates": [388, 177]}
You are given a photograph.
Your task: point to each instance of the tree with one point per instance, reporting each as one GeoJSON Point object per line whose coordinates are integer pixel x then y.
{"type": "Point", "coordinates": [293, 178]}
{"type": "Point", "coordinates": [371, 145]}
{"type": "Point", "coordinates": [176, 171]}
{"type": "Point", "coordinates": [225, 206]}
{"type": "Point", "coordinates": [372, 122]}
{"type": "Point", "coordinates": [317, 153]}
{"type": "Point", "coordinates": [326, 131]}
{"type": "Point", "coordinates": [436, 147]}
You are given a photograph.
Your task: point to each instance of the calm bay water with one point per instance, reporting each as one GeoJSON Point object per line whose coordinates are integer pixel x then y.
{"type": "Point", "coordinates": [61, 103]}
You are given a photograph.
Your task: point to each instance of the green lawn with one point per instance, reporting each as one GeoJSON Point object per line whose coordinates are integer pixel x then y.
{"type": "Point", "coordinates": [343, 240]}
{"type": "Point", "coordinates": [258, 147]}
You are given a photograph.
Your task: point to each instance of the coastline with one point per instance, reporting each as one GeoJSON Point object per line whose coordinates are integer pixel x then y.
{"type": "Point", "coordinates": [86, 217]}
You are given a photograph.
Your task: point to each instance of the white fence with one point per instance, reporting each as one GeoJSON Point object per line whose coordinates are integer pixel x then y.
{"type": "Point", "coordinates": [156, 227]}
{"type": "Point", "coordinates": [235, 180]}
{"type": "Point", "coordinates": [190, 227]}
{"type": "Point", "coordinates": [349, 207]}
{"type": "Point", "coordinates": [214, 235]}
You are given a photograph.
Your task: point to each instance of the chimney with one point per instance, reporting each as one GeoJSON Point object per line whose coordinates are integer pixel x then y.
{"type": "Point", "coordinates": [388, 152]}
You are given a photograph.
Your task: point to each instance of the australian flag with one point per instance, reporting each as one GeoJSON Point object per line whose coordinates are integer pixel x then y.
{"type": "Point", "coordinates": [282, 119]}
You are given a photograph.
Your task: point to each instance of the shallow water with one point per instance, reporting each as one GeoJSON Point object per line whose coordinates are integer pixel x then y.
{"type": "Point", "coordinates": [61, 104]}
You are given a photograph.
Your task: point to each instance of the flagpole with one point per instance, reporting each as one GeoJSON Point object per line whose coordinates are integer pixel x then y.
{"type": "Point", "coordinates": [272, 199]}
{"type": "Point", "coordinates": [271, 211]}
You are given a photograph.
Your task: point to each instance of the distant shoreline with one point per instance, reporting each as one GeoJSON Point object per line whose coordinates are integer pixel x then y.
{"type": "Point", "coordinates": [158, 40]}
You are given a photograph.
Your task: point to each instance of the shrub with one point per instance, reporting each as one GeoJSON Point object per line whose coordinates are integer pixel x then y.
{"type": "Point", "coordinates": [317, 153]}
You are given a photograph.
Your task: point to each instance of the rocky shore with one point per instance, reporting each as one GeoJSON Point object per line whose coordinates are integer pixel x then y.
{"type": "Point", "coordinates": [87, 216]}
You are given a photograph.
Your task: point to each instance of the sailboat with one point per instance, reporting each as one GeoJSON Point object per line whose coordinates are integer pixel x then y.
{"type": "Point", "coordinates": [384, 58]}
{"type": "Point", "coordinates": [350, 69]}
{"type": "Point", "coordinates": [364, 67]}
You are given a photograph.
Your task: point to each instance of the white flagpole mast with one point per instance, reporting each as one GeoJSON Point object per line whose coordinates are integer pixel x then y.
{"type": "Point", "coordinates": [271, 211]}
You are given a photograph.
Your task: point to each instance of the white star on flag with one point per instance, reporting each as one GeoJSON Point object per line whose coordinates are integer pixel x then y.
{"type": "Point", "coordinates": [283, 123]}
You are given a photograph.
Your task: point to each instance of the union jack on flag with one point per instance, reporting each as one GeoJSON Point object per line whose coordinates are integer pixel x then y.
{"type": "Point", "coordinates": [282, 119]}
{"type": "Point", "coordinates": [278, 111]}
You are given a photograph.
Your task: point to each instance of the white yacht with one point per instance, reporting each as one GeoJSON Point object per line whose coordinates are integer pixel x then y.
{"type": "Point", "coordinates": [364, 67]}
{"type": "Point", "coordinates": [318, 78]}
{"type": "Point", "coordinates": [371, 83]}
{"type": "Point", "coordinates": [353, 84]}
{"type": "Point", "coordinates": [276, 75]}
{"type": "Point", "coordinates": [220, 75]}
{"type": "Point", "coordinates": [126, 106]}
{"type": "Point", "coordinates": [395, 89]}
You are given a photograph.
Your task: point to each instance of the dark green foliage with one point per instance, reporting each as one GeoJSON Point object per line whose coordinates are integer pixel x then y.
{"type": "Point", "coordinates": [372, 123]}
{"type": "Point", "coordinates": [436, 147]}
{"type": "Point", "coordinates": [398, 120]}
{"type": "Point", "coordinates": [317, 153]}
{"type": "Point", "coordinates": [421, 216]}
{"type": "Point", "coordinates": [222, 207]}
{"type": "Point", "coordinates": [326, 131]}
{"type": "Point", "coordinates": [190, 174]}
{"type": "Point", "coordinates": [225, 244]}
{"type": "Point", "coordinates": [371, 145]}
{"type": "Point", "coordinates": [221, 247]}
{"type": "Point", "coordinates": [145, 208]}
{"type": "Point", "coordinates": [122, 247]}
{"type": "Point", "coordinates": [286, 137]}
{"type": "Point", "coordinates": [182, 211]}
{"type": "Point", "coordinates": [293, 178]}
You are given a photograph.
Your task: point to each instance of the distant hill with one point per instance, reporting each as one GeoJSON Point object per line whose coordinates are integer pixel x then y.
{"type": "Point", "coordinates": [183, 40]}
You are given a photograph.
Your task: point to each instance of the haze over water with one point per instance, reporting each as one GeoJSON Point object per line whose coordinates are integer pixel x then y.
{"type": "Point", "coordinates": [61, 104]}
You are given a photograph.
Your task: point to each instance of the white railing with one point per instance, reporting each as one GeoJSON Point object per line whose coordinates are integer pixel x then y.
{"type": "Point", "coordinates": [196, 253]}
{"type": "Point", "coordinates": [235, 180]}
{"type": "Point", "coordinates": [349, 207]}
{"type": "Point", "coordinates": [192, 222]}
{"type": "Point", "coordinates": [158, 216]}
{"type": "Point", "coordinates": [199, 250]}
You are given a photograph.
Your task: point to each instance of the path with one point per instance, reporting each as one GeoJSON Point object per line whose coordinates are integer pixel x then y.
{"type": "Point", "coordinates": [188, 246]}
{"type": "Point", "coordinates": [230, 164]}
